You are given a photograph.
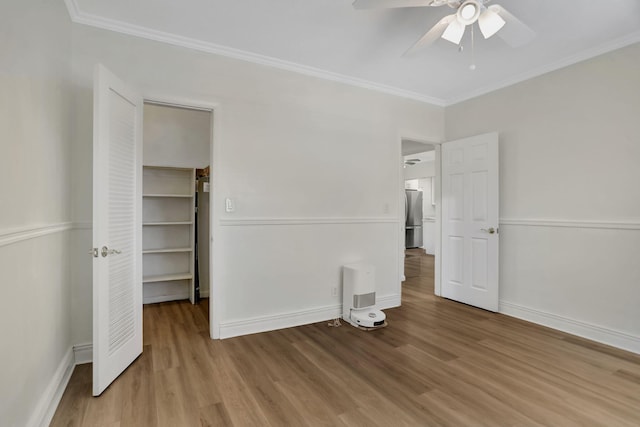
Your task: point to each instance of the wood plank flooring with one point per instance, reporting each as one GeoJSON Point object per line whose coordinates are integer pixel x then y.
{"type": "Point", "coordinates": [437, 363]}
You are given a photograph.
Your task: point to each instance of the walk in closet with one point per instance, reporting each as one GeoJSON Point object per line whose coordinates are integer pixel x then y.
{"type": "Point", "coordinates": [175, 153]}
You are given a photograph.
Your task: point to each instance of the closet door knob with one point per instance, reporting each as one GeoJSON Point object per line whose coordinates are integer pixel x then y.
{"type": "Point", "coordinates": [489, 230]}
{"type": "Point", "coordinates": [106, 251]}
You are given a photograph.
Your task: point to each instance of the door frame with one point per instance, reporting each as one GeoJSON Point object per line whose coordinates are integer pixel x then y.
{"type": "Point", "coordinates": [214, 161]}
{"type": "Point", "coordinates": [438, 222]}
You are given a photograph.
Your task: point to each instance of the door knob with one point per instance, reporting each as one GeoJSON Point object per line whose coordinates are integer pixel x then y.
{"type": "Point", "coordinates": [489, 230]}
{"type": "Point", "coordinates": [106, 251]}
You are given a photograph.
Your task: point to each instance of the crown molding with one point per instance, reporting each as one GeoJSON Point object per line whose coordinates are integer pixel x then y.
{"type": "Point", "coordinates": [80, 17]}
{"type": "Point", "coordinates": [565, 62]}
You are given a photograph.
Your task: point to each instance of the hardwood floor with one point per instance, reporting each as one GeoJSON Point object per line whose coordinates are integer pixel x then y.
{"type": "Point", "coordinates": [437, 363]}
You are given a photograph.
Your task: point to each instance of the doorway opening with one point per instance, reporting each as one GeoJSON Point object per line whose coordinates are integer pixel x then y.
{"type": "Point", "coordinates": [176, 187]}
{"type": "Point", "coordinates": [420, 180]}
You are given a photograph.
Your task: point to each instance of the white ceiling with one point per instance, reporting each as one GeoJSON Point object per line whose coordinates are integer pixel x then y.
{"type": "Point", "coordinates": [413, 147]}
{"type": "Point", "coordinates": [426, 156]}
{"type": "Point", "coordinates": [328, 38]}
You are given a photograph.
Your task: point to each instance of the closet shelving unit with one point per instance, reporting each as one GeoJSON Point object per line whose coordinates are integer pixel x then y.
{"type": "Point", "coordinates": [168, 218]}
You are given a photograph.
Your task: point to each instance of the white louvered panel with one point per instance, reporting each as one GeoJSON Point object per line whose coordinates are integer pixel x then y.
{"type": "Point", "coordinates": [122, 175]}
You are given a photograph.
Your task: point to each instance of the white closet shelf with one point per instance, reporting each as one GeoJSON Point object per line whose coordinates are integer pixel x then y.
{"type": "Point", "coordinates": [166, 250]}
{"type": "Point", "coordinates": [167, 277]}
{"type": "Point", "coordinates": [169, 195]}
{"type": "Point", "coordinates": [168, 223]}
{"type": "Point", "coordinates": [168, 220]}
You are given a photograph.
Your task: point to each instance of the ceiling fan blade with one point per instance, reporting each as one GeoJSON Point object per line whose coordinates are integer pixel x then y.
{"type": "Point", "coordinates": [389, 4]}
{"type": "Point", "coordinates": [454, 32]}
{"type": "Point", "coordinates": [432, 35]}
{"type": "Point", "coordinates": [515, 33]}
{"type": "Point", "coordinates": [490, 23]}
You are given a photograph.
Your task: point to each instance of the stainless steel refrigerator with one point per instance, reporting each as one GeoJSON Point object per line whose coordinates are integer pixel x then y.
{"type": "Point", "coordinates": [413, 218]}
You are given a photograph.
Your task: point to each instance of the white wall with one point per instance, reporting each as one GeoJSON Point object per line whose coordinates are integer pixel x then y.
{"type": "Point", "coordinates": [289, 154]}
{"type": "Point", "coordinates": [420, 170]}
{"type": "Point", "coordinates": [35, 215]}
{"type": "Point", "coordinates": [176, 137]}
{"type": "Point", "coordinates": [569, 152]}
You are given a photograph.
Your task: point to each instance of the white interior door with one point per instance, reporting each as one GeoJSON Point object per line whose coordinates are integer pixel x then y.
{"type": "Point", "coordinates": [470, 221]}
{"type": "Point", "coordinates": [117, 228]}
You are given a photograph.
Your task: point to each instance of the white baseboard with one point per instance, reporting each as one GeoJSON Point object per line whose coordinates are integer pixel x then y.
{"type": "Point", "coordinates": [388, 301]}
{"type": "Point", "coordinates": [83, 353]}
{"type": "Point", "coordinates": [278, 321]}
{"type": "Point", "coordinates": [48, 402]}
{"type": "Point", "coordinates": [585, 330]}
{"type": "Point", "coordinates": [204, 294]}
{"type": "Point", "coordinates": [297, 318]}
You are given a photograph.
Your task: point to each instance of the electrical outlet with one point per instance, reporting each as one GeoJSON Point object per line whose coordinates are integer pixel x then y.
{"type": "Point", "coordinates": [334, 291]}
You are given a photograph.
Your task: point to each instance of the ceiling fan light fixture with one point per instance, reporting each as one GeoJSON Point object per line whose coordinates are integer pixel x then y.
{"type": "Point", "coordinates": [454, 32]}
{"type": "Point", "coordinates": [468, 12]}
{"type": "Point", "coordinates": [490, 23]}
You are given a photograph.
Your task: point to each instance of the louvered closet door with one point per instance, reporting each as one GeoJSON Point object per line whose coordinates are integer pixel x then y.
{"type": "Point", "coordinates": [117, 230]}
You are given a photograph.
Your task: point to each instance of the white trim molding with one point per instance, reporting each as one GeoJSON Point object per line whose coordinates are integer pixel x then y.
{"type": "Point", "coordinates": [80, 17]}
{"type": "Point", "coordinates": [49, 400]}
{"type": "Point", "coordinates": [305, 221]}
{"type": "Point", "coordinates": [296, 318]}
{"type": "Point", "coordinates": [388, 301]}
{"type": "Point", "coordinates": [8, 237]}
{"type": "Point", "coordinates": [83, 353]}
{"type": "Point", "coordinates": [278, 321]}
{"type": "Point", "coordinates": [575, 327]}
{"type": "Point", "coordinates": [567, 223]}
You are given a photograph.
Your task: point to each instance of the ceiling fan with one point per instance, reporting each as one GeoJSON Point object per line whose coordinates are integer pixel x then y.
{"type": "Point", "coordinates": [491, 20]}
{"type": "Point", "coordinates": [411, 162]}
